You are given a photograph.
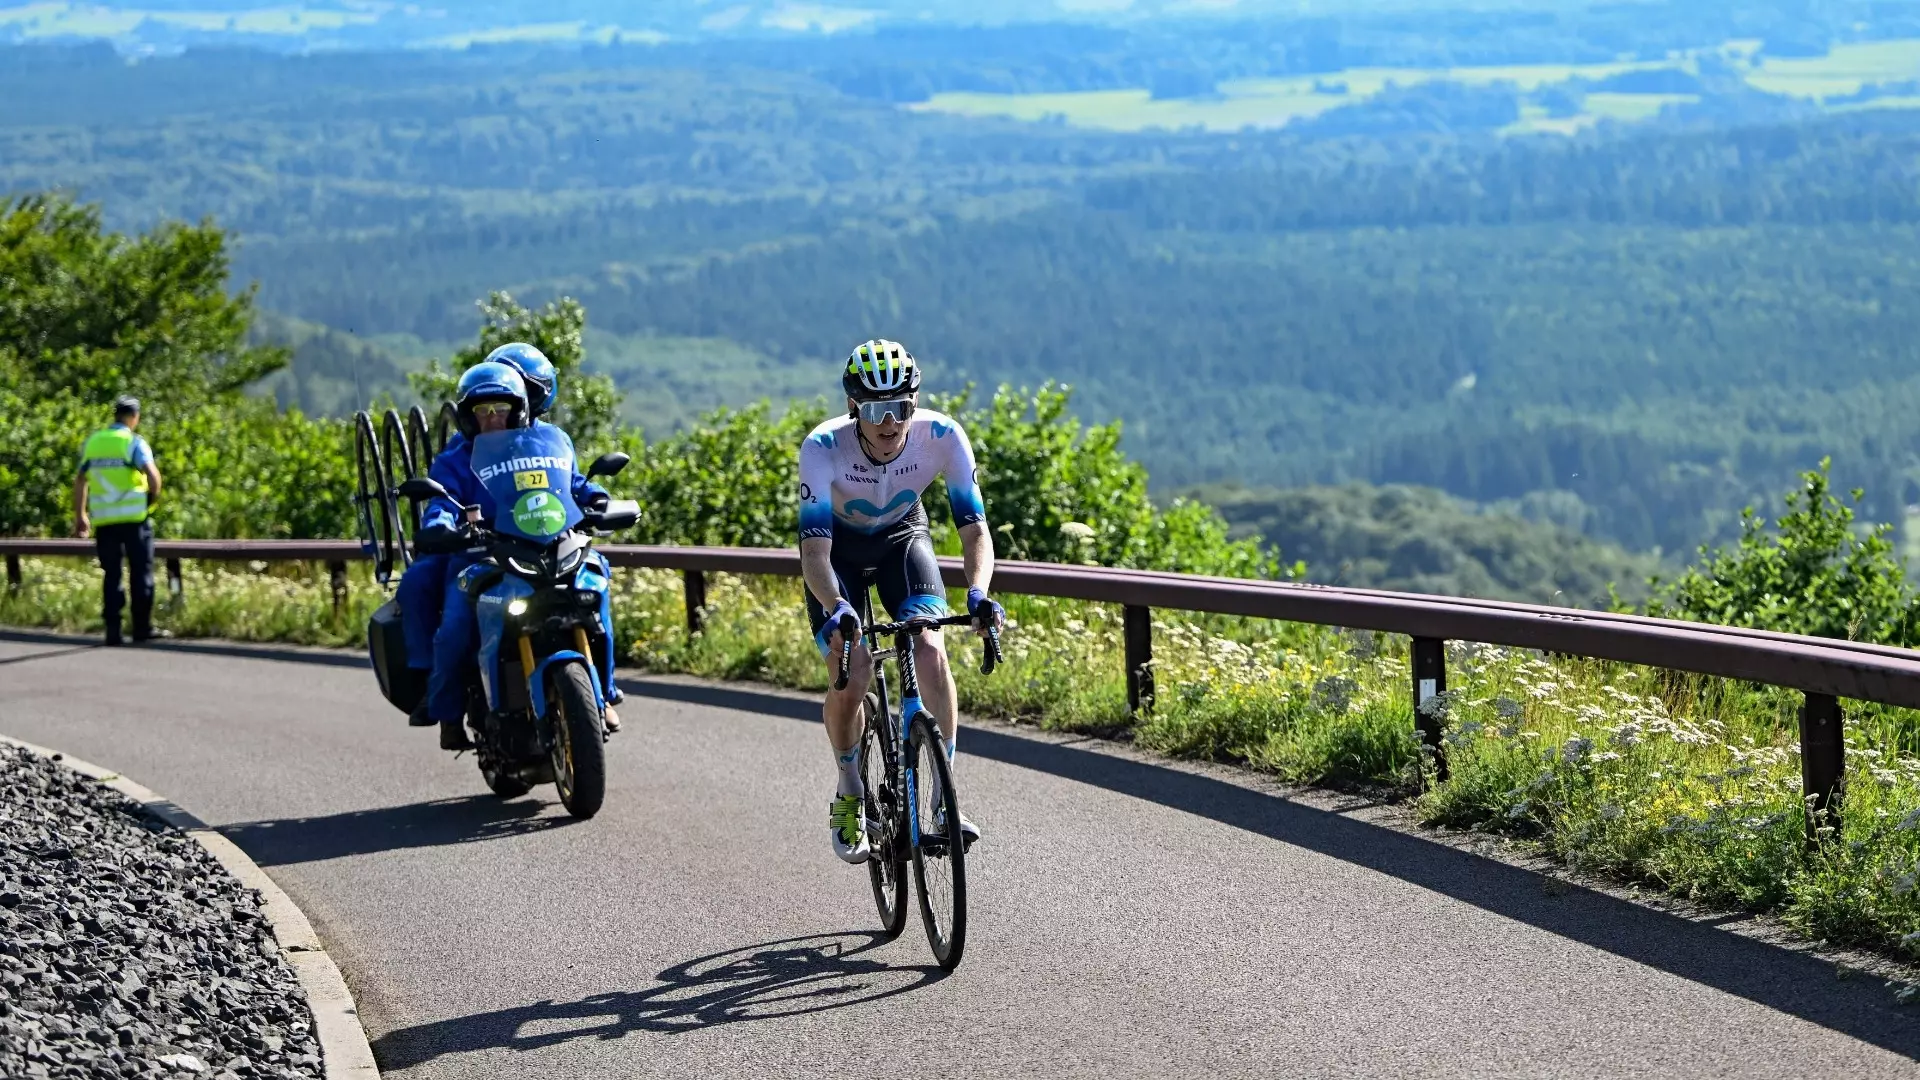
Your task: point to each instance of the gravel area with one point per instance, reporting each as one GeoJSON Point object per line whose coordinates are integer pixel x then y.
{"type": "Point", "coordinates": [126, 950]}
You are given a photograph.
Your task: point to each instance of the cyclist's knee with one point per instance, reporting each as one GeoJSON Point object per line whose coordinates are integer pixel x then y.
{"type": "Point", "coordinates": [859, 671]}
{"type": "Point", "coordinates": [930, 651]}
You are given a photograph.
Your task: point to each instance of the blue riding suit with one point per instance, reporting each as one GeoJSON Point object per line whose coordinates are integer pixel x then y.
{"type": "Point", "coordinates": [457, 640]}
{"type": "Point", "coordinates": [421, 590]}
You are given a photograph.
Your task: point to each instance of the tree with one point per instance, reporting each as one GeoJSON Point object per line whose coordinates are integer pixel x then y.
{"type": "Point", "coordinates": [95, 314]}
{"type": "Point", "coordinates": [587, 406]}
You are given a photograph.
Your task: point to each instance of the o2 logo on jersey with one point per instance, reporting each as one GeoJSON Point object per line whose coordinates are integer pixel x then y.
{"type": "Point", "coordinates": [806, 493]}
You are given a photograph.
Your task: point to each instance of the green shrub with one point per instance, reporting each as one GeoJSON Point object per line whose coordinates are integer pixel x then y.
{"type": "Point", "coordinates": [1817, 573]}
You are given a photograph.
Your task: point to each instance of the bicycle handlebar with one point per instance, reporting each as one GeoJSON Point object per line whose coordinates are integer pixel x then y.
{"type": "Point", "coordinates": [988, 662]}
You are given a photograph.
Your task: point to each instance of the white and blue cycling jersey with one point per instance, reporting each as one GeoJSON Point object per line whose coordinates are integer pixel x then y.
{"type": "Point", "coordinates": [841, 486]}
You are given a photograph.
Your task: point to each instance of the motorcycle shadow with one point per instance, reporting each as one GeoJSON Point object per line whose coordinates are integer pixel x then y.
{"type": "Point", "coordinates": [464, 819]}
{"type": "Point", "coordinates": [768, 981]}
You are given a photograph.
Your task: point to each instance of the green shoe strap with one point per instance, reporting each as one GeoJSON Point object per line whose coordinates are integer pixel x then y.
{"type": "Point", "coordinates": [846, 817]}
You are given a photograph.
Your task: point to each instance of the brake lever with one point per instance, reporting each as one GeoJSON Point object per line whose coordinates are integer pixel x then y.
{"type": "Point", "coordinates": [992, 656]}
{"type": "Point", "coordinates": [846, 652]}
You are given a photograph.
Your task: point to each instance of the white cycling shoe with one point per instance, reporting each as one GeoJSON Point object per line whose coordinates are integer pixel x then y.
{"type": "Point", "coordinates": [849, 831]}
{"type": "Point", "coordinates": [967, 828]}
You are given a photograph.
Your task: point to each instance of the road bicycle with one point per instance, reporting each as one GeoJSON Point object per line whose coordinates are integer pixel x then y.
{"type": "Point", "coordinates": [907, 818]}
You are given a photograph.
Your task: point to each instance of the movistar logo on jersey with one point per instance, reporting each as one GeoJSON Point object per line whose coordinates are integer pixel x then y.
{"type": "Point", "coordinates": [522, 464]}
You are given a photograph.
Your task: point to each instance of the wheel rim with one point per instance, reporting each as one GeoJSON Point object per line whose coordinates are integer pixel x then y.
{"type": "Point", "coordinates": [367, 462]}
{"type": "Point", "coordinates": [936, 861]}
{"type": "Point", "coordinates": [397, 455]}
{"type": "Point", "coordinates": [562, 746]}
{"type": "Point", "coordinates": [880, 809]}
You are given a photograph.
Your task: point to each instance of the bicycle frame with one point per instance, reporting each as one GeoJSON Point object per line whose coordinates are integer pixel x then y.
{"type": "Point", "coordinates": [896, 737]}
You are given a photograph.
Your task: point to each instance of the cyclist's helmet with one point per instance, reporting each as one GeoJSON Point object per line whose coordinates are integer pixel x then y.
{"type": "Point", "coordinates": [534, 368]}
{"type": "Point", "coordinates": [489, 381]}
{"type": "Point", "coordinates": [880, 369]}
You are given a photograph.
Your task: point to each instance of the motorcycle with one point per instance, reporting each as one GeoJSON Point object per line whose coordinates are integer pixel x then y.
{"type": "Point", "coordinates": [540, 594]}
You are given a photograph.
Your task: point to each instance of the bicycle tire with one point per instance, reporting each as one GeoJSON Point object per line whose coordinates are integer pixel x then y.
{"type": "Point", "coordinates": [882, 808]}
{"type": "Point", "coordinates": [397, 455]}
{"type": "Point", "coordinates": [444, 425]}
{"type": "Point", "coordinates": [927, 751]}
{"type": "Point", "coordinates": [367, 501]}
{"type": "Point", "coordinates": [420, 437]}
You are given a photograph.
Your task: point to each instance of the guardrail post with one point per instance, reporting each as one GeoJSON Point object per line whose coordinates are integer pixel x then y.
{"type": "Point", "coordinates": [1139, 636]}
{"type": "Point", "coordinates": [695, 582]}
{"type": "Point", "coordinates": [337, 576]}
{"type": "Point", "coordinates": [1429, 682]}
{"type": "Point", "coordinates": [176, 589]}
{"type": "Point", "coordinates": [13, 573]}
{"type": "Point", "coordinates": [1822, 760]}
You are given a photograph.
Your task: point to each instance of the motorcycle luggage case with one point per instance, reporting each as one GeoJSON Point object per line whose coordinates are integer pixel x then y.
{"type": "Point", "coordinates": [401, 685]}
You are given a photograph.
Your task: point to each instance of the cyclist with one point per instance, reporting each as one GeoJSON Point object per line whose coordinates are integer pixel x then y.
{"type": "Point", "coordinates": [491, 397]}
{"type": "Point", "coordinates": [862, 524]}
{"type": "Point", "coordinates": [424, 584]}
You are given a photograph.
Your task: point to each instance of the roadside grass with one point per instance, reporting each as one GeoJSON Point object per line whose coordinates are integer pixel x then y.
{"type": "Point", "coordinates": [1683, 783]}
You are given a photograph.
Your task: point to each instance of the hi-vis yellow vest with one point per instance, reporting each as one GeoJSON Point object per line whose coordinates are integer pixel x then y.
{"type": "Point", "coordinates": [116, 491]}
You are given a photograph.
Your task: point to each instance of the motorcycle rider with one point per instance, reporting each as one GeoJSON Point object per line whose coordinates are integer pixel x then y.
{"type": "Point", "coordinates": [424, 584]}
{"type": "Point", "coordinates": [491, 397]}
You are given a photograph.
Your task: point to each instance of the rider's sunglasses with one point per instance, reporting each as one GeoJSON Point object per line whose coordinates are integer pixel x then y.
{"type": "Point", "coordinates": [493, 408]}
{"type": "Point", "coordinates": [877, 412]}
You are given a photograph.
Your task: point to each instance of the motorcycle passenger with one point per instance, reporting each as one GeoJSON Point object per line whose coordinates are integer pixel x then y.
{"type": "Point", "coordinates": [492, 397]}
{"type": "Point", "coordinates": [424, 584]}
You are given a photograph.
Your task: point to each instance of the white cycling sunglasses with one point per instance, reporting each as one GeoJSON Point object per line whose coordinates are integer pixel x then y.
{"type": "Point", "coordinates": [876, 412]}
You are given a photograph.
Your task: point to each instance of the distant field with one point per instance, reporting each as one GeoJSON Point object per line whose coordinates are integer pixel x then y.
{"type": "Point", "coordinates": [88, 20]}
{"type": "Point", "coordinates": [1273, 103]}
{"type": "Point", "coordinates": [1843, 71]}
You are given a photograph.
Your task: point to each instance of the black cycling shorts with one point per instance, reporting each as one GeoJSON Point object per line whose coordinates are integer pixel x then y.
{"type": "Point", "coordinates": [898, 559]}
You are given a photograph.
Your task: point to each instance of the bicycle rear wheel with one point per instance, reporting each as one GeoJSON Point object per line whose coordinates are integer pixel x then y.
{"type": "Point", "coordinates": [939, 864]}
{"type": "Point", "coordinates": [887, 866]}
{"type": "Point", "coordinates": [368, 502]}
{"type": "Point", "coordinates": [396, 465]}
{"type": "Point", "coordinates": [444, 425]}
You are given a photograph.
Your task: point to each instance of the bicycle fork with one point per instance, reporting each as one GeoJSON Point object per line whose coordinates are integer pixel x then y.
{"type": "Point", "coordinates": [910, 707]}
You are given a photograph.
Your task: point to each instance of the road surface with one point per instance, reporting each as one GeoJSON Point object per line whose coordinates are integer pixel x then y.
{"type": "Point", "coordinates": [1128, 918]}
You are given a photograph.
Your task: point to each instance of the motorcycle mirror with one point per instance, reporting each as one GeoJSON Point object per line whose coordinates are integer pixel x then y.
{"type": "Point", "coordinates": [608, 464]}
{"type": "Point", "coordinates": [422, 487]}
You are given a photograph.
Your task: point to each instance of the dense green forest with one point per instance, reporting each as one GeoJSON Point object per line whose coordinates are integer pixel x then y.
{"type": "Point", "coordinates": [1412, 539]}
{"type": "Point", "coordinates": [1642, 328]}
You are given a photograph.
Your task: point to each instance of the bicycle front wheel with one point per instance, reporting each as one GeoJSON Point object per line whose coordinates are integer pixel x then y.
{"type": "Point", "coordinates": [885, 816]}
{"type": "Point", "coordinates": [939, 855]}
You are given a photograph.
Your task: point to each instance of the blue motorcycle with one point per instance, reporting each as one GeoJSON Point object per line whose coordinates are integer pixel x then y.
{"type": "Point", "coordinates": [540, 596]}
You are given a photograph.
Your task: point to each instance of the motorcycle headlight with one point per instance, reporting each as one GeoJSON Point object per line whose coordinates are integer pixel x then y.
{"type": "Point", "coordinates": [524, 568]}
{"type": "Point", "coordinates": [571, 561]}
{"type": "Point", "coordinates": [517, 607]}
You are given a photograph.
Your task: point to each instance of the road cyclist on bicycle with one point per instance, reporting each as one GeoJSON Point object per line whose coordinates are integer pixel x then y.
{"type": "Point", "coordinates": [862, 524]}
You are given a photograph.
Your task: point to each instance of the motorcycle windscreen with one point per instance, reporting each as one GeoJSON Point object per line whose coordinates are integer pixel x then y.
{"type": "Point", "coordinates": [528, 472]}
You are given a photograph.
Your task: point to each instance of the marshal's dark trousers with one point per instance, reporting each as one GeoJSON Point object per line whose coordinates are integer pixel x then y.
{"type": "Point", "coordinates": [131, 542]}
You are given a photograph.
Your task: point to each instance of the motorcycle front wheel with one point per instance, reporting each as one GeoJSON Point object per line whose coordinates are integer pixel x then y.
{"type": "Point", "coordinates": [579, 741]}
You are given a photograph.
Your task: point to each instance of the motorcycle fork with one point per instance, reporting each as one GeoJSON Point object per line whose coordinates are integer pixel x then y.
{"type": "Point", "coordinates": [526, 664]}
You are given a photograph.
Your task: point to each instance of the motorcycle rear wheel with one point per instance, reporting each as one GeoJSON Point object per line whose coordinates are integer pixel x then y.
{"type": "Point", "coordinates": [579, 740]}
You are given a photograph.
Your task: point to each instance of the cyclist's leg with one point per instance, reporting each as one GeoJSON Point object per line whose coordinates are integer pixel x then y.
{"type": "Point", "coordinates": [910, 585]}
{"type": "Point", "coordinates": [841, 711]}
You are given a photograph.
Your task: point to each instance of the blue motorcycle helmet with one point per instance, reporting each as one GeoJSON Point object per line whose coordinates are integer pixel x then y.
{"type": "Point", "coordinates": [489, 381]}
{"type": "Point", "coordinates": [534, 368]}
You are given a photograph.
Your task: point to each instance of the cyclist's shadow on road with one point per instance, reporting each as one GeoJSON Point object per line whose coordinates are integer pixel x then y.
{"type": "Point", "coordinates": [775, 979]}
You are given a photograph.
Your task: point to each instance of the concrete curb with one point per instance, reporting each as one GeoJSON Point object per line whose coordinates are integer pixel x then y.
{"type": "Point", "coordinates": [344, 1051]}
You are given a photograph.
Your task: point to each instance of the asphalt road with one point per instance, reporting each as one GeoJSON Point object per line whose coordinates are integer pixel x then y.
{"type": "Point", "coordinates": [1128, 918]}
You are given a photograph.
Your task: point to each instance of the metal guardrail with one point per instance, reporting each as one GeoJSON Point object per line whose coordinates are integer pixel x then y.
{"type": "Point", "coordinates": [1824, 670]}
